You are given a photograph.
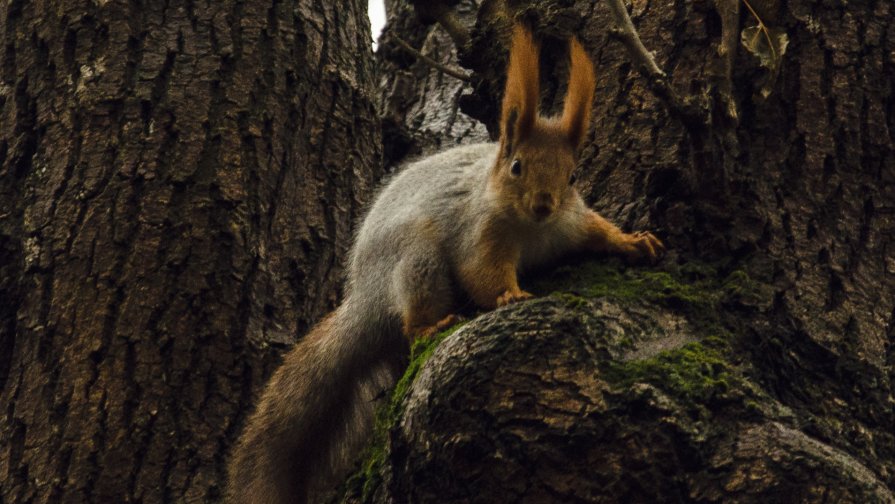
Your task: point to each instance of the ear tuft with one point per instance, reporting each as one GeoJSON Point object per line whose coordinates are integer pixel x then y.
{"type": "Point", "coordinates": [576, 110]}
{"type": "Point", "coordinates": [521, 94]}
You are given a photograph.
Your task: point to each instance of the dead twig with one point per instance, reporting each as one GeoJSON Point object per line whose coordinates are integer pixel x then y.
{"type": "Point", "coordinates": [626, 32]}
{"type": "Point", "coordinates": [686, 111]}
{"type": "Point", "coordinates": [457, 74]}
{"type": "Point", "coordinates": [729, 11]}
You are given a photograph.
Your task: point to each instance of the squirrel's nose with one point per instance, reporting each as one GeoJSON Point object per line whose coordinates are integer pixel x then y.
{"type": "Point", "coordinates": [543, 205]}
{"type": "Point", "coordinates": [542, 211]}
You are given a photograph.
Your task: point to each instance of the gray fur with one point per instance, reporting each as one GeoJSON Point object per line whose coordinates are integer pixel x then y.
{"type": "Point", "coordinates": [451, 189]}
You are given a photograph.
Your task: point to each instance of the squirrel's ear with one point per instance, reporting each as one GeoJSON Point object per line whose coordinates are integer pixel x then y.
{"type": "Point", "coordinates": [520, 97]}
{"type": "Point", "coordinates": [576, 110]}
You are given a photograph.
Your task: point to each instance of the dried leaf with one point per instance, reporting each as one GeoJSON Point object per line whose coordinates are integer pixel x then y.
{"type": "Point", "coordinates": [769, 46]}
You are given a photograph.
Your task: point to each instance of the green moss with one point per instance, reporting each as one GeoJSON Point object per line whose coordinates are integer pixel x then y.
{"type": "Point", "coordinates": [571, 300]}
{"type": "Point", "coordinates": [696, 373]}
{"type": "Point", "coordinates": [366, 479]}
{"type": "Point", "coordinates": [420, 352]}
{"type": "Point", "coordinates": [753, 407]}
{"type": "Point", "coordinates": [739, 285]}
{"type": "Point", "coordinates": [594, 279]}
{"type": "Point", "coordinates": [738, 281]}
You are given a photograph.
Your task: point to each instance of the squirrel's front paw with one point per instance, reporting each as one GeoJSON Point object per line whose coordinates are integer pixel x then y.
{"type": "Point", "coordinates": [643, 245]}
{"type": "Point", "coordinates": [512, 296]}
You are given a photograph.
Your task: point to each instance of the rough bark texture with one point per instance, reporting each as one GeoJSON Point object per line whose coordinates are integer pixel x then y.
{"type": "Point", "coordinates": [419, 104]}
{"type": "Point", "coordinates": [553, 408]}
{"type": "Point", "coordinates": [756, 363]}
{"type": "Point", "coordinates": [178, 182]}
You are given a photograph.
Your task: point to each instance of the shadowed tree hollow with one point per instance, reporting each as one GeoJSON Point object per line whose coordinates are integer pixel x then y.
{"type": "Point", "coordinates": [178, 182]}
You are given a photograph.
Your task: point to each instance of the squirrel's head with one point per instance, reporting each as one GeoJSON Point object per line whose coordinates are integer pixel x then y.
{"type": "Point", "coordinates": [533, 173]}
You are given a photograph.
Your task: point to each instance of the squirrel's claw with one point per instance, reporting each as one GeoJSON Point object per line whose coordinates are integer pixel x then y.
{"type": "Point", "coordinates": [645, 245]}
{"type": "Point", "coordinates": [512, 296]}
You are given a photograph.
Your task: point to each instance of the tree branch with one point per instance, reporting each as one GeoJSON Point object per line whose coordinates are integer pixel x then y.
{"type": "Point", "coordinates": [430, 11]}
{"type": "Point", "coordinates": [729, 11]}
{"type": "Point", "coordinates": [686, 111]}
{"type": "Point", "coordinates": [628, 34]}
{"type": "Point", "coordinates": [449, 21]}
{"type": "Point", "coordinates": [457, 74]}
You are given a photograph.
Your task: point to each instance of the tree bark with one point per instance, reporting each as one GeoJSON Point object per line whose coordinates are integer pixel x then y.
{"type": "Point", "coordinates": [419, 104]}
{"type": "Point", "coordinates": [178, 182]}
{"type": "Point", "coordinates": [755, 364]}
{"type": "Point", "coordinates": [605, 400]}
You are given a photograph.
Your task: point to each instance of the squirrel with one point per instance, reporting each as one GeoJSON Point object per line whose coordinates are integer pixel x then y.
{"type": "Point", "coordinates": [459, 223]}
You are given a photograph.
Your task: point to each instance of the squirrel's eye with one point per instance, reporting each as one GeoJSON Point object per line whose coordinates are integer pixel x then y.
{"type": "Point", "coordinates": [572, 179]}
{"type": "Point", "coordinates": [516, 168]}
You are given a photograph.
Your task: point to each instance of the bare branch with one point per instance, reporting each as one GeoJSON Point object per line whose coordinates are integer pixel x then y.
{"type": "Point", "coordinates": [729, 11]}
{"type": "Point", "coordinates": [646, 63]}
{"type": "Point", "coordinates": [628, 34]}
{"type": "Point", "coordinates": [457, 74]}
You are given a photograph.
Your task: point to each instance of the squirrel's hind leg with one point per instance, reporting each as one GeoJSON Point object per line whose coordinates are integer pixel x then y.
{"type": "Point", "coordinates": [424, 295]}
{"type": "Point", "coordinates": [439, 326]}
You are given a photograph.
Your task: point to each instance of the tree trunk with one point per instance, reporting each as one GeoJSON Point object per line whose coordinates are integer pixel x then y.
{"type": "Point", "coordinates": [756, 363]}
{"type": "Point", "coordinates": [178, 183]}
{"type": "Point", "coordinates": [419, 104]}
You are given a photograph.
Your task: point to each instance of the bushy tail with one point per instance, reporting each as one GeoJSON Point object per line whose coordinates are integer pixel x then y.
{"type": "Point", "coordinates": [316, 413]}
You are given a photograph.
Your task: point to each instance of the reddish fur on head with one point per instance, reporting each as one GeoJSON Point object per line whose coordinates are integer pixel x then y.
{"type": "Point", "coordinates": [576, 110]}
{"type": "Point", "coordinates": [521, 96]}
{"type": "Point", "coordinates": [544, 149]}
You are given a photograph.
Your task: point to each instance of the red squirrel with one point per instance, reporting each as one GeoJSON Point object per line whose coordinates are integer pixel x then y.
{"type": "Point", "coordinates": [458, 224]}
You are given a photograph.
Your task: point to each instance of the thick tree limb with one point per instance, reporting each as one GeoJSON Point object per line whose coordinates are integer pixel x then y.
{"type": "Point", "coordinates": [438, 11]}
{"type": "Point", "coordinates": [449, 21]}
